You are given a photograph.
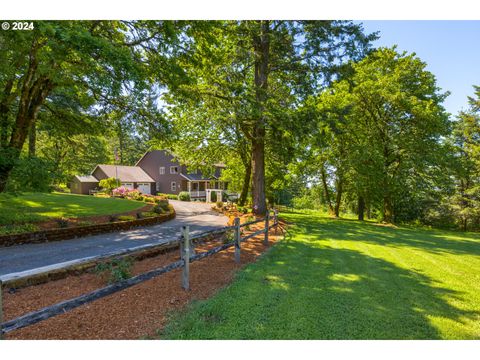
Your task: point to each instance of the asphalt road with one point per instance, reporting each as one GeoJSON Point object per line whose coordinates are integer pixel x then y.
{"type": "Point", "coordinates": [19, 259]}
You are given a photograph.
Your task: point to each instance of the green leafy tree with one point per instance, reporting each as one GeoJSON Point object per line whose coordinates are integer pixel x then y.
{"type": "Point", "coordinates": [75, 71]}
{"type": "Point", "coordinates": [247, 79]}
{"type": "Point", "coordinates": [389, 120]}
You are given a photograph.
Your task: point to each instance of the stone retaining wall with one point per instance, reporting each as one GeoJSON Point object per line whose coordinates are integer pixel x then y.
{"type": "Point", "coordinates": [81, 231]}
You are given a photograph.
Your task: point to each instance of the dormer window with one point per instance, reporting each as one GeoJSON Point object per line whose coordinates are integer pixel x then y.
{"type": "Point", "coordinates": [173, 169]}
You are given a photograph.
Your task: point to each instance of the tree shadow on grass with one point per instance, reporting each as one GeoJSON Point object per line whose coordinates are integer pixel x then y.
{"type": "Point", "coordinates": [434, 241]}
{"type": "Point", "coordinates": [357, 296]}
{"type": "Point", "coordinates": [303, 291]}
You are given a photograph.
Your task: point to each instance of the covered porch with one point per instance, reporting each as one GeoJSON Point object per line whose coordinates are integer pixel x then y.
{"type": "Point", "coordinates": [198, 188]}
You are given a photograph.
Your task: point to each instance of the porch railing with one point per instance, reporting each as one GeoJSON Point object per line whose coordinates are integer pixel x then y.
{"type": "Point", "coordinates": [195, 193]}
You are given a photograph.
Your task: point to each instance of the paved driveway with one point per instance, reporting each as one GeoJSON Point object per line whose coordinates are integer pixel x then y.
{"type": "Point", "coordinates": [22, 259]}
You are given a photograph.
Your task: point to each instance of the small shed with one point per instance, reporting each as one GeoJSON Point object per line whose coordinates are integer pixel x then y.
{"type": "Point", "coordinates": [83, 184]}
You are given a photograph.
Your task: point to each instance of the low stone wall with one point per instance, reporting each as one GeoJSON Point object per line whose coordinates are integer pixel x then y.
{"type": "Point", "coordinates": [74, 232]}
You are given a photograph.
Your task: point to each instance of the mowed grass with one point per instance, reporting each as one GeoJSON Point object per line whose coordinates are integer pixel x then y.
{"type": "Point", "coordinates": [34, 207]}
{"type": "Point", "coordinates": [343, 279]}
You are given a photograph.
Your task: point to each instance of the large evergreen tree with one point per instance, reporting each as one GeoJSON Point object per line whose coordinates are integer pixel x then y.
{"type": "Point", "coordinates": [248, 78]}
{"type": "Point", "coordinates": [465, 201]}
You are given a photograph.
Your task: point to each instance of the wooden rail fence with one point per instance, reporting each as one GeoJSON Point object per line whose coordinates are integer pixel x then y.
{"type": "Point", "coordinates": [187, 256]}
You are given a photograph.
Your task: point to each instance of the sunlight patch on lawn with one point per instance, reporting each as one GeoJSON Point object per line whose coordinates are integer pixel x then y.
{"type": "Point", "coordinates": [340, 289]}
{"type": "Point", "coordinates": [344, 277]}
{"type": "Point", "coordinates": [277, 282]}
{"type": "Point", "coordinates": [31, 203]}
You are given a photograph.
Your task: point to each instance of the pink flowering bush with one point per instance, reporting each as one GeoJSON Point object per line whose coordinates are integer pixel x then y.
{"type": "Point", "coordinates": [122, 191]}
{"type": "Point", "coordinates": [133, 194]}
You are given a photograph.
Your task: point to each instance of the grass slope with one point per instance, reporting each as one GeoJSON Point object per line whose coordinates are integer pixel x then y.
{"type": "Point", "coordinates": [33, 207]}
{"type": "Point", "coordinates": [343, 279]}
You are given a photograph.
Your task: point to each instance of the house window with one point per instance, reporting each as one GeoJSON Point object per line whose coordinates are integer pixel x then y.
{"type": "Point", "coordinates": [162, 170]}
{"type": "Point", "coordinates": [173, 186]}
{"type": "Point", "coordinates": [173, 169]}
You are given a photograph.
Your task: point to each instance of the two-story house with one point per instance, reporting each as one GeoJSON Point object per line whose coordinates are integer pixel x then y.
{"type": "Point", "coordinates": [157, 171]}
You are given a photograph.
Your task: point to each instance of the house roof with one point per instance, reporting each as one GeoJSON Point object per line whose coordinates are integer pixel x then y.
{"type": "Point", "coordinates": [196, 177]}
{"type": "Point", "coordinates": [87, 179]}
{"type": "Point", "coordinates": [126, 173]}
{"type": "Point", "coordinates": [219, 165]}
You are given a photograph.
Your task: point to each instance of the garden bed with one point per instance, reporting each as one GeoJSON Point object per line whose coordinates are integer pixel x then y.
{"type": "Point", "coordinates": [137, 312]}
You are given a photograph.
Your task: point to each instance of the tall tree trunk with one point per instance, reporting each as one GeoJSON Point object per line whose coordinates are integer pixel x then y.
{"type": "Point", "coordinates": [258, 176]}
{"type": "Point", "coordinates": [387, 196]}
{"type": "Point", "coordinates": [326, 191]}
{"type": "Point", "coordinates": [33, 94]}
{"type": "Point", "coordinates": [4, 111]}
{"type": "Point", "coordinates": [246, 184]}
{"type": "Point", "coordinates": [369, 209]}
{"type": "Point", "coordinates": [32, 139]}
{"type": "Point", "coordinates": [361, 207]}
{"type": "Point", "coordinates": [261, 45]}
{"type": "Point", "coordinates": [8, 161]}
{"type": "Point", "coordinates": [387, 208]}
{"type": "Point", "coordinates": [338, 198]}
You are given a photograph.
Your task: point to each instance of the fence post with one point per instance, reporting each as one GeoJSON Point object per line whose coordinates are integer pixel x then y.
{"type": "Point", "coordinates": [267, 218]}
{"type": "Point", "coordinates": [185, 254]}
{"type": "Point", "coordinates": [1, 310]}
{"type": "Point", "coordinates": [236, 223]}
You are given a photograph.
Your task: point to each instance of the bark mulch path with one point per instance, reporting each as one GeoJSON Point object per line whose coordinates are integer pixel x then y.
{"type": "Point", "coordinates": [135, 312]}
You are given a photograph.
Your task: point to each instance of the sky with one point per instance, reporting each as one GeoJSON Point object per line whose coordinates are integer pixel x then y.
{"type": "Point", "coordinates": [450, 48]}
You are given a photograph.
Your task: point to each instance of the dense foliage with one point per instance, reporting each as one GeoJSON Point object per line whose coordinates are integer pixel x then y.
{"type": "Point", "coordinates": [303, 113]}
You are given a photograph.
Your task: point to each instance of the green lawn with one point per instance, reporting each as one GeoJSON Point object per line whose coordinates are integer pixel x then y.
{"type": "Point", "coordinates": [342, 279]}
{"type": "Point", "coordinates": [33, 207]}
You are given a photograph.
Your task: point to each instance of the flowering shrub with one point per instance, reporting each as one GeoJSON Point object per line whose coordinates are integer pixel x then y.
{"type": "Point", "coordinates": [132, 194]}
{"type": "Point", "coordinates": [122, 191]}
{"type": "Point", "coordinates": [150, 200]}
